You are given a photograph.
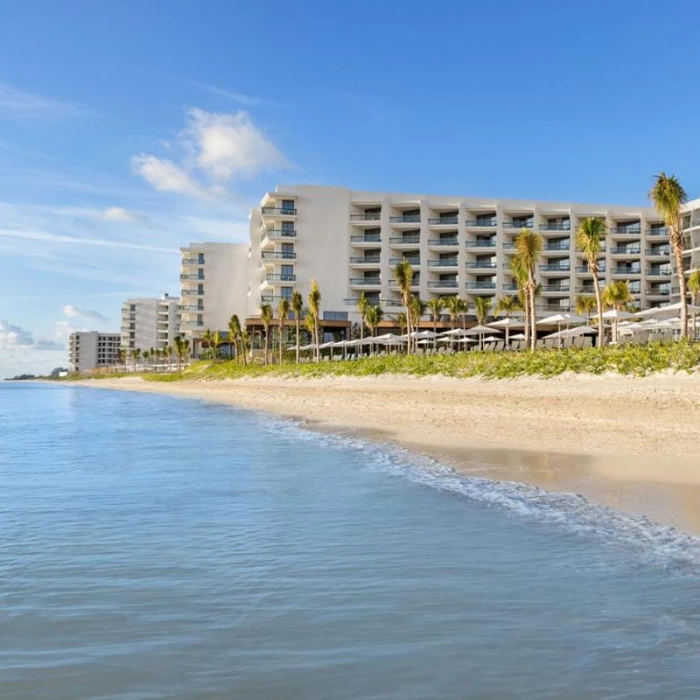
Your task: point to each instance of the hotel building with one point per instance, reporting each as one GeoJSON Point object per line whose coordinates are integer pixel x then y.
{"type": "Point", "coordinates": [691, 245]}
{"type": "Point", "coordinates": [150, 322]}
{"type": "Point", "coordinates": [91, 350]}
{"type": "Point", "coordinates": [351, 240]}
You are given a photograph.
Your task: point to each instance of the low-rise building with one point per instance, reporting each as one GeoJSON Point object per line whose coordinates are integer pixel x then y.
{"type": "Point", "coordinates": [91, 349]}
{"type": "Point", "coordinates": [150, 323]}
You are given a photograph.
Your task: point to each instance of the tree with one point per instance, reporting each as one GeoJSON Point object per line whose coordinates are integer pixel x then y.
{"type": "Point", "coordinates": [208, 338]}
{"type": "Point", "coordinates": [417, 308]}
{"type": "Point", "coordinates": [402, 322]}
{"type": "Point", "coordinates": [586, 305]}
{"type": "Point", "coordinates": [590, 240]}
{"type": "Point", "coordinates": [374, 316]}
{"type": "Point", "coordinates": [435, 306]}
{"type": "Point", "coordinates": [245, 344]}
{"type": "Point", "coordinates": [217, 340]}
{"type": "Point", "coordinates": [455, 306]}
{"type": "Point", "coordinates": [179, 351]}
{"type": "Point", "coordinates": [122, 356]}
{"type": "Point", "coordinates": [403, 274]}
{"type": "Point", "coordinates": [266, 316]}
{"type": "Point", "coordinates": [507, 305]}
{"type": "Point", "coordinates": [283, 313]}
{"type": "Point", "coordinates": [315, 311]}
{"type": "Point", "coordinates": [297, 308]}
{"type": "Point", "coordinates": [234, 335]}
{"type": "Point", "coordinates": [169, 354]}
{"type": "Point", "coordinates": [528, 250]}
{"type": "Point", "coordinates": [363, 304]}
{"type": "Point", "coordinates": [617, 295]}
{"type": "Point", "coordinates": [668, 197]}
{"type": "Point", "coordinates": [694, 291]}
{"type": "Point", "coordinates": [482, 306]}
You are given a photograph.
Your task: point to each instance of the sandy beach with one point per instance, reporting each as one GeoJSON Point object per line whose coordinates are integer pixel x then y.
{"type": "Point", "coordinates": [630, 443]}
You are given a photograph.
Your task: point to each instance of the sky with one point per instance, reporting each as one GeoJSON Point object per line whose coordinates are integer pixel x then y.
{"type": "Point", "coordinates": [128, 129]}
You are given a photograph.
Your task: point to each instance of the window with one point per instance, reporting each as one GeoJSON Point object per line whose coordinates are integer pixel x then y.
{"type": "Point", "coordinates": [200, 319]}
{"type": "Point", "coordinates": [287, 248]}
{"type": "Point", "coordinates": [288, 205]}
{"type": "Point", "coordinates": [335, 315]}
{"type": "Point", "coordinates": [287, 272]}
{"type": "Point", "coordinates": [286, 292]}
{"type": "Point", "coordinates": [288, 226]}
{"type": "Point", "coordinates": [200, 289]}
{"type": "Point", "coordinates": [200, 258]}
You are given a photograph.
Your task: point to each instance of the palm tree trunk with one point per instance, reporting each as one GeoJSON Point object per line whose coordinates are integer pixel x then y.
{"type": "Point", "coordinates": [281, 331]}
{"type": "Point", "coordinates": [678, 252]}
{"type": "Point", "coordinates": [362, 327]}
{"type": "Point", "coordinates": [297, 328]}
{"type": "Point", "coordinates": [318, 349]}
{"type": "Point", "coordinates": [599, 305]}
{"type": "Point", "coordinates": [267, 332]}
{"type": "Point", "coordinates": [533, 331]}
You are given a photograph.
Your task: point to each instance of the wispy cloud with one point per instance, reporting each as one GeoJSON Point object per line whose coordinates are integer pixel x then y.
{"type": "Point", "coordinates": [120, 214]}
{"type": "Point", "coordinates": [229, 94]}
{"type": "Point", "coordinates": [72, 311]}
{"type": "Point", "coordinates": [13, 337]}
{"type": "Point", "coordinates": [14, 100]}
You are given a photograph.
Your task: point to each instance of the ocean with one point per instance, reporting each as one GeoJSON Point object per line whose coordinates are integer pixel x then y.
{"type": "Point", "coordinates": [155, 547]}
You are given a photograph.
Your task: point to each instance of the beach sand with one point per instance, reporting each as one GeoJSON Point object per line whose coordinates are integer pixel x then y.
{"type": "Point", "coordinates": [631, 443]}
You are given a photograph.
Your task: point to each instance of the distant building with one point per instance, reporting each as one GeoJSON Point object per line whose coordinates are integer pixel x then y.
{"type": "Point", "coordinates": [92, 349]}
{"type": "Point", "coordinates": [150, 322]}
{"type": "Point", "coordinates": [215, 281]}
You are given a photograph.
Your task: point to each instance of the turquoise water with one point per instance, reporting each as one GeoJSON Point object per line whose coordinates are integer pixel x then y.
{"type": "Point", "coordinates": [154, 547]}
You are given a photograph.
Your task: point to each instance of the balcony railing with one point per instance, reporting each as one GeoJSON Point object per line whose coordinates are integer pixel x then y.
{"type": "Point", "coordinates": [281, 278]}
{"type": "Point", "coordinates": [555, 288]}
{"type": "Point", "coordinates": [409, 219]}
{"type": "Point", "coordinates": [405, 239]}
{"type": "Point", "coordinates": [415, 282]}
{"type": "Point", "coordinates": [279, 256]}
{"type": "Point", "coordinates": [366, 217]}
{"type": "Point", "coordinates": [658, 231]}
{"type": "Point", "coordinates": [588, 289]}
{"type": "Point", "coordinates": [564, 226]}
{"type": "Point", "coordinates": [443, 284]}
{"type": "Point", "coordinates": [286, 211]}
{"type": "Point", "coordinates": [365, 281]}
{"type": "Point", "coordinates": [661, 292]}
{"type": "Point", "coordinates": [193, 292]}
{"type": "Point", "coordinates": [278, 233]}
{"type": "Point", "coordinates": [626, 251]}
{"type": "Point", "coordinates": [483, 223]}
{"type": "Point", "coordinates": [396, 261]}
{"type": "Point", "coordinates": [366, 260]}
{"type": "Point", "coordinates": [443, 221]}
{"type": "Point", "coordinates": [191, 307]}
{"type": "Point", "coordinates": [192, 261]}
{"type": "Point", "coordinates": [191, 277]}
{"type": "Point", "coordinates": [443, 263]}
{"type": "Point", "coordinates": [625, 231]}
{"type": "Point", "coordinates": [626, 271]}
{"type": "Point", "coordinates": [555, 268]}
{"type": "Point", "coordinates": [482, 244]}
{"type": "Point", "coordinates": [272, 298]}
{"type": "Point", "coordinates": [518, 224]}
{"type": "Point", "coordinates": [558, 246]}
{"type": "Point", "coordinates": [480, 285]}
{"type": "Point", "coordinates": [585, 270]}
{"type": "Point", "coordinates": [443, 241]}
{"type": "Point", "coordinates": [481, 265]}
{"type": "Point", "coordinates": [657, 272]}
{"type": "Point", "coordinates": [658, 251]}
{"type": "Point", "coordinates": [511, 287]}
{"type": "Point", "coordinates": [367, 238]}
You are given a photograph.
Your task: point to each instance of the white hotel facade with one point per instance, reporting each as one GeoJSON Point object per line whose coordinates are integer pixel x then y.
{"type": "Point", "coordinates": [151, 322]}
{"type": "Point", "coordinates": [351, 240]}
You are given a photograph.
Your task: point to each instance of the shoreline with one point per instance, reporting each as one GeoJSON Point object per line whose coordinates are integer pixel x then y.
{"type": "Point", "coordinates": [628, 443]}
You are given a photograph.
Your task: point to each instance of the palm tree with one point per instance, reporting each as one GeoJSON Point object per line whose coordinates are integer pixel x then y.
{"type": "Point", "coordinates": [417, 308]}
{"type": "Point", "coordinates": [617, 295]}
{"type": "Point", "coordinates": [482, 306]}
{"type": "Point", "coordinates": [455, 307]}
{"type": "Point", "coordinates": [283, 313]}
{"type": "Point", "coordinates": [169, 354]}
{"type": "Point", "coordinates": [234, 335]}
{"type": "Point", "coordinates": [528, 250]}
{"type": "Point", "coordinates": [401, 322]}
{"type": "Point", "coordinates": [374, 316]}
{"type": "Point", "coordinates": [363, 304]}
{"type": "Point", "coordinates": [179, 351]}
{"type": "Point", "coordinates": [245, 344]}
{"type": "Point", "coordinates": [668, 197]}
{"type": "Point", "coordinates": [435, 306]}
{"type": "Point", "coordinates": [122, 356]}
{"type": "Point", "coordinates": [146, 355]}
{"type": "Point", "coordinates": [266, 316]}
{"type": "Point", "coordinates": [586, 305]}
{"type": "Point", "coordinates": [507, 305]}
{"type": "Point", "coordinates": [403, 274]}
{"type": "Point", "coordinates": [315, 311]}
{"type": "Point", "coordinates": [590, 240]}
{"type": "Point", "coordinates": [217, 340]}
{"type": "Point", "coordinates": [297, 308]}
{"type": "Point", "coordinates": [208, 338]}
{"type": "Point", "coordinates": [693, 291]}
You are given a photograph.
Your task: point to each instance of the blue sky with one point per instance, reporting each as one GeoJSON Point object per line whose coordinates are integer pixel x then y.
{"type": "Point", "coordinates": [128, 129]}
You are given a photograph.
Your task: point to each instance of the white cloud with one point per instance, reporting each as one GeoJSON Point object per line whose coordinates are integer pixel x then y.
{"type": "Point", "coordinates": [78, 312]}
{"type": "Point", "coordinates": [235, 96]}
{"type": "Point", "coordinates": [16, 338]}
{"type": "Point", "coordinates": [18, 101]}
{"type": "Point", "coordinates": [120, 214]}
{"type": "Point", "coordinates": [228, 145]}
{"type": "Point", "coordinates": [165, 176]}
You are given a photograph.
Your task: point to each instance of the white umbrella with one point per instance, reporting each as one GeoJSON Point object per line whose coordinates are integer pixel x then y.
{"type": "Point", "coordinates": [467, 340]}
{"type": "Point", "coordinates": [455, 332]}
{"type": "Point", "coordinates": [507, 323]}
{"type": "Point", "coordinates": [324, 346]}
{"type": "Point", "coordinates": [424, 335]}
{"type": "Point", "coordinates": [491, 339]}
{"type": "Point", "coordinates": [481, 331]}
{"type": "Point", "coordinates": [390, 338]}
{"type": "Point", "coordinates": [670, 309]}
{"type": "Point", "coordinates": [307, 347]}
{"type": "Point", "coordinates": [518, 336]}
{"type": "Point", "coordinates": [562, 318]}
{"type": "Point", "coordinates": [616, 315]}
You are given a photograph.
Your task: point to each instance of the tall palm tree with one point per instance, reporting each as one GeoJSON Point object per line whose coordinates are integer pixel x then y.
{"type": "Point", "coordinates": [590, 240]}
{"type": "Point", "coordinates": [315, 311]}
{"type": "Point", "coordinates": [217, 341]}
{"type": "Point", "coordinates": [266, 316]}
{"type": "Point", "coordinates": [186, 349]}
{"type": "Point", "coordinates": [403, 274]}
{"type": "Point", "coordinates": [435, 306]}
{"type": "Point", "coordinates": [617, 295]}
{"type": "Point", "coordinates": [401, 322]}
{"type": "Point", "coordinates": [694, 291]}
{"type": "Point", "coordinates": [363, 304]}
{"type": "Point", "coordinates": [586, 305]}
{"type": "Point", "coordinates": [179, 351]}
{"type": "Point", "coordinates": [455, 307]}
{"type": "Point", "coordinates": [507, 305]}
{"type": "Point", "coordinates": [374, 316]}
{"type": "Point", "coordinates": [668, 197]}
{"type": "Point", "coordinates": [283, 312]}
{"type": "Point", "coordinates": [417, 308]}
{"type": "Point", "coordinates": [528, 250]}
{"type": "Point", "coordinates": [482, 306]}
{"type": "Point", "coordinates": [234, 335]}
{"type": "Point", "coordinates": [208, 338]}
{"type": "Point", "coordinates": [245, 344]}
{"type": "Point", "coordinates": [297, 308]}
{"type": "Point", "coordinates": [169, 355]}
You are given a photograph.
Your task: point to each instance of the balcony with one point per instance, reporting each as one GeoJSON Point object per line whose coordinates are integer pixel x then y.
{"type": "Point", "coordinates": [360, 218]}
{"type": "Point", "coordinates": [658, 272]}
{"type": "Point", "coordinates": [281, 278]}
{"type": "Point", "coordinates": [658, 252]}
{"type": "Point", "coordinates": [415, 262]}
{"type": "Point", "coordinates": [269, 255]}
{"type": "Point", "coordinates": [405, 240]}
{"type": "Point", "coordinates": [193, 292]}
{"type": "Point", "coordinates": [277, 233]}
{"type": "Point", "coordinates": [482, 223]}
{"type": "Point", "coordinates": [415, 283]}
{"type": "Point", "coordinates": [191, 277]}
{"type": "Point", "coordinates": [365, 260]}
{"type": "Point", "coordinates": [472, 286]}
{"type": "Point", "coordinates": [519, 224]}
{"type": "Point", "coordinates": [482, 244]}
{"type": "Point", "coordinates": [555, 268]}
{"type": "Point", "coordinates": [589, 289]}
{"type": "Point", "coordinates": [481, 265]}
{"type": "Point", "coordinates": [660, 292]}
{"type": "Point", "coordinates": [585, 270]}
{"type": "Point", "coordinates": [558, 247]}
{"type": "Point", "coordinates": [192, 308]}
{"type": "Point", "coordinates": [626, 271]}
{"type": "Point", "coordinates": [365, 282]}
{"type": "Point", "coordinates": [563, 226]}
{"type": "Point", "coordinates": [366, 239]}
{"type": "Point", "coordinates": [556, 289]}
{"type": "Point", "coordinates": [444, 242]}
{"type": "Point", "coordinates": [192, 261]}
{"type": "Point", "coordinates": [511, 287]}
{"type": "Point", "coordinates": [443, 284]}
{"type": "Point", "coordinates": [443, 221]}
{"type": "Point", "coordinates": [626, 231]}
{"type": "Point", "coordinates": [658, 231]}
{"type": "Point", "coordinates": [451, 263]}
{"type": "Point", "coordinates": [278, 211]}
{"type": "Point", "coordinates": [405, 219]}
{"type": "Point", "coordinates": [626, 250]}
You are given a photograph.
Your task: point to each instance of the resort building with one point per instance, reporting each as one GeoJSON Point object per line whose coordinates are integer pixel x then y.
{"type": "Point", "coordinates": [351, 240]}
{"type": "Point", "coordinates": [91, 349]}
{"type": "Point", "coordinates": [691, 246]}
{"type": "Point", "coordinates": [215, 281]}
{"type": "Point", "coordinates": [150, 323]}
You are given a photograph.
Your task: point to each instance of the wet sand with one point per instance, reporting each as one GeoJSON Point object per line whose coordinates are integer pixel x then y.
{"type": "Point", "coordinates": [629, 443]}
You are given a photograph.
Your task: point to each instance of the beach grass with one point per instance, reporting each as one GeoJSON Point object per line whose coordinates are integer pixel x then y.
{"type": "Point", "coordinates": [635, 360]}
